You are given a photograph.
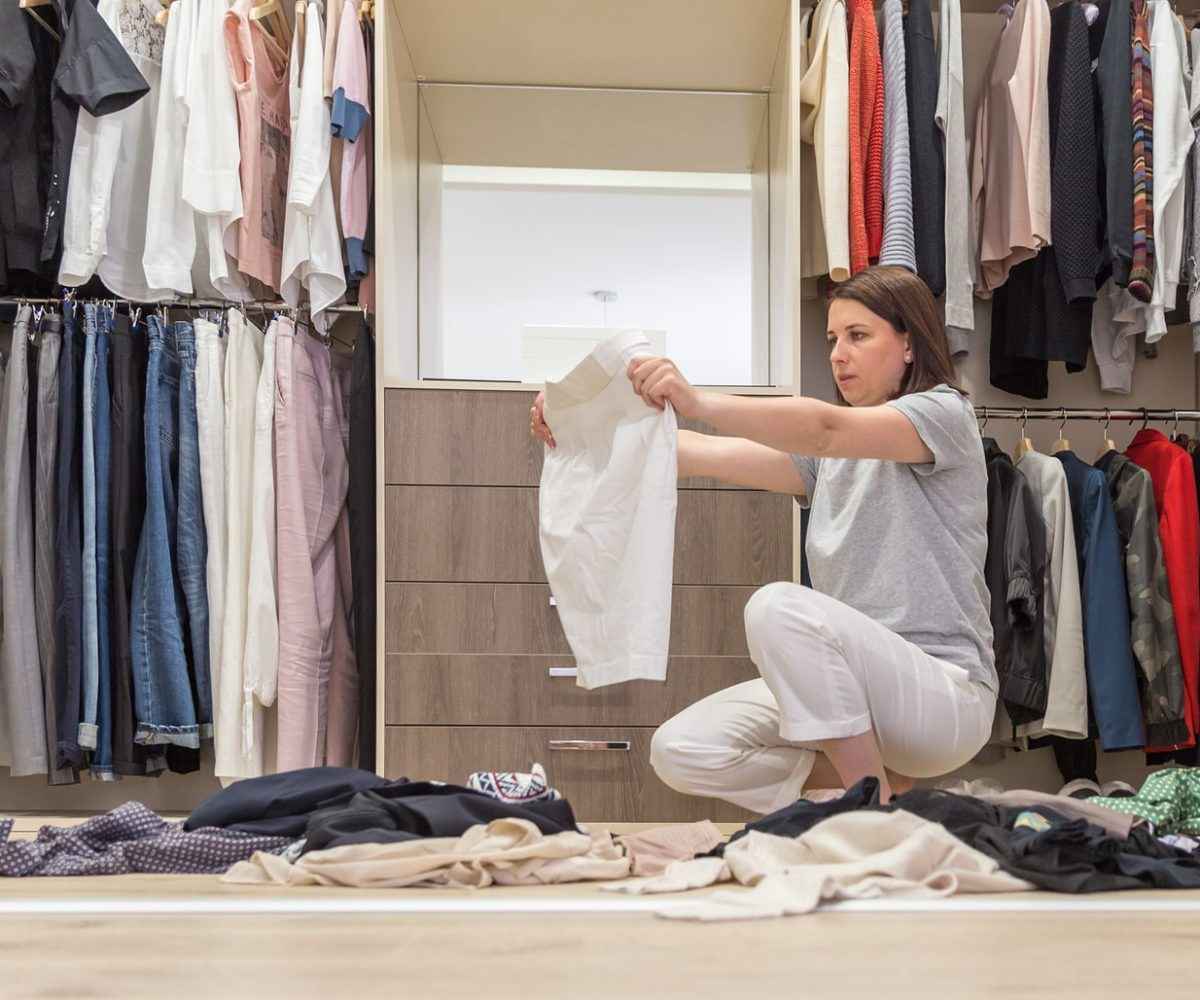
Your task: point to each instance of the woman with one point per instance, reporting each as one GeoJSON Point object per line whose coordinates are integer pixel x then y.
{"type": "Point", "coordinates": [885, 666]}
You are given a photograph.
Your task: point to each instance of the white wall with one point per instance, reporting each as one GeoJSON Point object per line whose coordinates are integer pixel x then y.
{"type": "Point", "coordinates": [679, 261]}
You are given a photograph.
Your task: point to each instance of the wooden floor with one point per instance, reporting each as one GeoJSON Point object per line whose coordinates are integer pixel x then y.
{"type": "Point", "coordinates": [92, 937]}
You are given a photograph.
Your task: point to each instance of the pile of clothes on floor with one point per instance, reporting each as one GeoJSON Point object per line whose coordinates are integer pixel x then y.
{"type": "Point", "coordinates": [346, 827]}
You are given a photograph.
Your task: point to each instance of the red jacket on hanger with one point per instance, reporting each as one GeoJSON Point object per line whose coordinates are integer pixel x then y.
{"type": "Point", "coordinates": [1171, 471]}
{"type": "Point", "coordinates": [866, 137]}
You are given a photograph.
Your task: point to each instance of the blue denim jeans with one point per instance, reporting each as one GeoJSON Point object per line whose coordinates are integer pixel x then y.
{"type": "Point", "coordinates": [102, 759]}
{"type": "Point", "coordinates": [165, 708]}
{"type": "Point", "coordinates": [91, 638]}
{"type": "Point", "coordinates": [191, 540]}
{"type": "Point", "coordinates": [68, 541]}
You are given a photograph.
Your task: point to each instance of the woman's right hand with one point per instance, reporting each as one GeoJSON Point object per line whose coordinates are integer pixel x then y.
{"type": "Point", "coordinates": [537, 421]}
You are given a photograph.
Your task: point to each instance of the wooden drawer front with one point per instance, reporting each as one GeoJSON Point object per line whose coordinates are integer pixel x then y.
{"type": "Point", "coordinates": [472, 437]}
{"type": "Point", "coordinates": [616, 786]}
{"type": "Point", "coordinates": [519, 690]}
{"type": "Point", "coordinates": [490, 535]}
{"type": "Point", "coordinates": [508, 618]}
{"type": "Point", "coordinates": [460, 437]}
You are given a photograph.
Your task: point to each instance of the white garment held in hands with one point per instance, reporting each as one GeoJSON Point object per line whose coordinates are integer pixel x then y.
{"type": "Point", "coordinates": [607, 516]}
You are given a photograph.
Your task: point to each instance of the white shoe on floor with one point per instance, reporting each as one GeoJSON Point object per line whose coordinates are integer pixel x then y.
{"type": "Point", "coordinates": [1118, 790]}
{"type": "Point", "coordinates": [1080, 788]}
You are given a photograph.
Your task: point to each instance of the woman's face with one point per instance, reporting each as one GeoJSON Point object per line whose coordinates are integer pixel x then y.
{"type": "Point", "coordinates": [868, 355]}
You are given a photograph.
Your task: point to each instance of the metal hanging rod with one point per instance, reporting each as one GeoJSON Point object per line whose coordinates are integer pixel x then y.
{"type": "Point", "coordinates": [1086, 413]}
{"type": "Point", "coordinates": [183, 303]}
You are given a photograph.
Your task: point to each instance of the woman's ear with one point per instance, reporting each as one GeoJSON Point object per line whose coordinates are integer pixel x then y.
{"type": "Point", "coordinates": [908, 350]}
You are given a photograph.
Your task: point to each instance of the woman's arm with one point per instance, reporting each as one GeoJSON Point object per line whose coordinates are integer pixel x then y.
{"type": "Point", "coordinates": [812, 427]}
{"type": "Point", "coordinates": [738, 461]}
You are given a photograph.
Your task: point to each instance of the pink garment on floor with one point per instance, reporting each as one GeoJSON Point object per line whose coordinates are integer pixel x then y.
{"type": "Point", "coordinates": [651, 851]}
{"type": "Point", "coordinates": [318, 683]}
{"type": "Point", "coordinates": [265, 128]}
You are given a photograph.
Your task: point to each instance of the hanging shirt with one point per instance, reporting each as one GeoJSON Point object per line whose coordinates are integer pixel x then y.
{"type": "Point", "coordinates": [26, 141]}
{"type": "Point", "coordinates": [105, 227]}
{"type": "Point", "coordinates": [1141, 271]}
{"type": "Point", "coordinates": [1171, 471]}
{"type": "Point", "coordinates": [1010, 171]}
{"type": "Point", "coordinates": [824, 90]}
{"type": "Point", "coordinates": [607, 505]}
{"type": "Point", "coordinates": [951, 121]}
{"type": "Point", "coordinates": [265, 128]}
{"type": "Point", "coordinates": [1043, 312]}
{"type": "Point", "coordinates": [866, 137]}
{"type": "Point", "coordinates": [351, 121]}
{"type": "Point", "coordinates": [95, 73]}
{"type": "Point", "coordinates": [898, 247]}
{"type": "Point", "coordinates": [1152, 627]}
{"type": "Point", "coordinates": [211, 182]}
{"type": "Point", "coordinates": [925, 146]}
{"type": "Point", "coordinates": [170, 222]}
{"type": "Point", "coordinates": [312, 253]}
{"type": "Point", "coordinates": [1111, 674]}
{"type": "Point", "coordinates": [1193, 221]}
{"type": "Point", "coordinates": [1016, 573]}
{"type": "Point", "coordinates": [1066, 692]}
{"type": "Point", "coordinates": [1109, 37]}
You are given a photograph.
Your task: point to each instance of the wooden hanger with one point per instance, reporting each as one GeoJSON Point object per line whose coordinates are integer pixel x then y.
{"type": "Point", "coordinates": [1062, 444]}
{"type": "Point", "coordinates": [300, 25]}
{"type": "Point", "coordinates": [274, 27]}
{"type": "Point", "coordinates": [366, 10]}
{"type": "Point", "coordinates": [1024, 445]}
{"type": "Point", "coordinates": [1109, 444]}
{"type": "Point", "coordinates": [28, 5]}
{"type": "Point", "coordinates": [163, 15]}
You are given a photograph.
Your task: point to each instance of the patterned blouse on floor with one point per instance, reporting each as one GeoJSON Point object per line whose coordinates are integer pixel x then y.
{"type": "Point", "coordinates": [130, 839]}
{"type": "Point", "coordinates": [1170, 799]}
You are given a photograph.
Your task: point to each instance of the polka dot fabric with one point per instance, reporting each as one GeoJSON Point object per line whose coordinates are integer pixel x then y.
{"type": "Point", "coordinates": [130, 839]}
{"type": "Point", "coordinates": [1170, 799]}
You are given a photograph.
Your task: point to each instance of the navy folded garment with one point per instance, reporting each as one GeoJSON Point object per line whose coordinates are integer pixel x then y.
{"type": "Point", "coordinates": [418, 809]}
{"type": "Point", "coordinates": [279, 805]}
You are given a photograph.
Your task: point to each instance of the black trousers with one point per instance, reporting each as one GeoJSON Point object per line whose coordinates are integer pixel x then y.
{"type": "Point", "coordinates": [68, 540]}
{"type": "Point", "coordinates": [361, 502]}
{"type": "Point", "coordinates": [128, 509]}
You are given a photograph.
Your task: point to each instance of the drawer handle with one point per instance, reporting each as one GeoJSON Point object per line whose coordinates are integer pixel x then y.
{"type": "Point", "coordinates": [564, 671]}
{"type": "Point", "coordinates": [590, 745]}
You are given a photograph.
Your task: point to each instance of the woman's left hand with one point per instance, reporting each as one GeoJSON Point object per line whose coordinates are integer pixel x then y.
{"type": "Point", "coordinates": [659, 382]}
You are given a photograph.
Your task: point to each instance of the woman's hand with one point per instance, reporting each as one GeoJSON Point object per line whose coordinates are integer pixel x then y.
{"type": "Point", "coordinates": [659, 382]}
{"type": "Point", "coordinates": [537, 421]}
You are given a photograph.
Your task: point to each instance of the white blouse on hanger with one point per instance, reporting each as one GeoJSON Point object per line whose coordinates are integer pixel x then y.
{"type": "Point", "coordinates": [104, 229]}
{"type": "Point", "coordinates": [312, 252]}
{"type": "Point", "coordinates": [825, 126]}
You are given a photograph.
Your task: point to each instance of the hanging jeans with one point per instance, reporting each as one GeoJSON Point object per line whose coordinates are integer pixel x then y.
{"type": "Point", "coordinates": [166, 709]}
{"type": "Point", "coordinates": [91, 639]}
{"type": "Point", "coordinates": [210, 430]}
{"type": "Point", "coordinates": [45, 410]}
{"type": "Point", "coordinates": [318, 685]}
{"type": "Point", "coordinates": [102, 759]}
{"type": "Point", "coordinates": [20, 668]}
{"type": "Point", "coordinates": [68, 543]}
{"type": "Point", "coordinates": [128, 510]}
{"type": "Point", "coordinates": [191, 546]}
{"type": "Point", "coordinates": [361, 504]}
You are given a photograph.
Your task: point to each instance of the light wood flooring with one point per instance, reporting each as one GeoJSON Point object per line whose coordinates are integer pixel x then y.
{"type": "Point", "coordinates": [191, 936]}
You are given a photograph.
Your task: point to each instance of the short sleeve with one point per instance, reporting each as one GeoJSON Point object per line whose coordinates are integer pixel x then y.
{"type": "Point", "coordinates": [94, 70]}
{"type": "Point", "coordinates": [945, 422]}
{"type": "Point", "coordinates": [806, 465]}
{"type": "Point", "coordinates": [16, 56]}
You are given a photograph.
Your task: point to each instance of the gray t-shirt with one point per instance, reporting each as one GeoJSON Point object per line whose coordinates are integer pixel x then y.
{"type": "Point", "coordinates": [905, 544]}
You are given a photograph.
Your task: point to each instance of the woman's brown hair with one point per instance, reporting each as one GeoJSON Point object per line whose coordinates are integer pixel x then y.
{"type": "Point", "coordinates": [900, 297]}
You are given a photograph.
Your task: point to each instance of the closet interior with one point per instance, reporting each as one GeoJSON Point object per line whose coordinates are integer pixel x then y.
{"type": "Point", "coordinates": [489, 124]}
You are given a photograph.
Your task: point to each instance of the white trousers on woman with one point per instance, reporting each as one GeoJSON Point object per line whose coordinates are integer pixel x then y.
{"type": "Point", "coordinates": [828, 672]}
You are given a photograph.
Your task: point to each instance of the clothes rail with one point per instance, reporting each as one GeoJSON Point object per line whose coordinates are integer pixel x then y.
{"type": "Point", "coordinates": [1086, 413]}
{"type": "Point", "coordinates": [182, 303]}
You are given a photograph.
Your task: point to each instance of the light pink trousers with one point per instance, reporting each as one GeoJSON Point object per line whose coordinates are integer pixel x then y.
{"type": "Point", "coordinates": [318, 682]}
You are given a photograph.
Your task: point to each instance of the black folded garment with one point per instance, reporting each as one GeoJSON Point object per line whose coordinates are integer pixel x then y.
{"type": "Point", "coordinates": [279, 805]}
{"type": "Point", "coordinates": [1064, 856]}
{"type": "Point", "coordinates": [802, 815]}
{"type": "Point", "coordinates": [418, 809]}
